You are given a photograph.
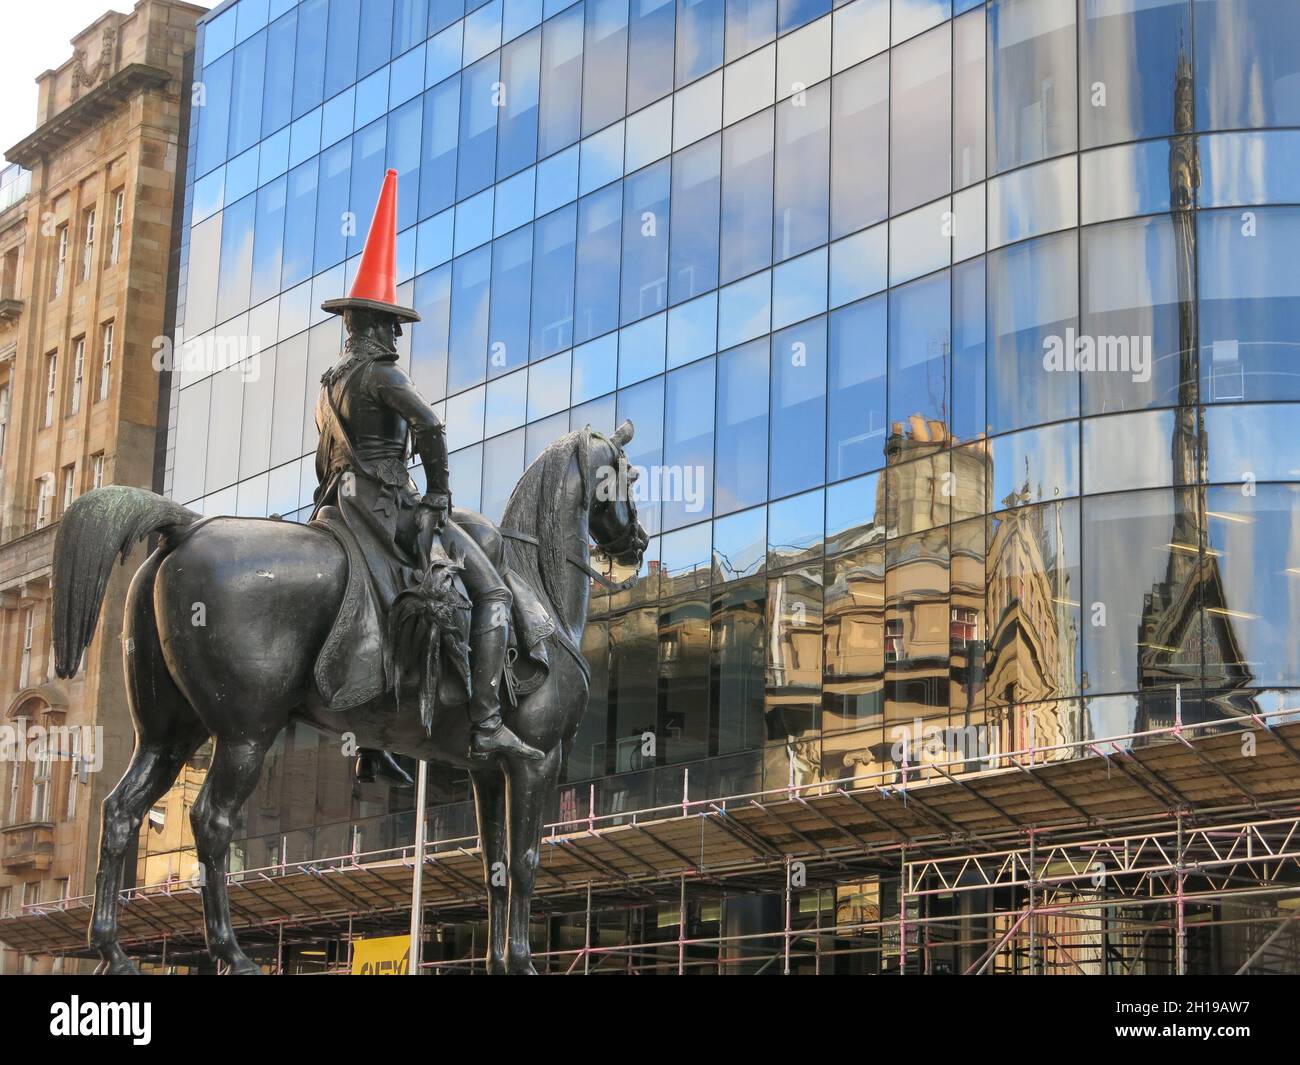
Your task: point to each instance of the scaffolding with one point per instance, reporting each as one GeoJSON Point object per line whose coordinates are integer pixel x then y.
{"type": "Point", "coordinates": [1172, 850]}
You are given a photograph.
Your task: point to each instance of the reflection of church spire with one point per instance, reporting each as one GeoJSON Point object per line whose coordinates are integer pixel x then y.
{"type": "Point", "coordinates": [1176, 631]}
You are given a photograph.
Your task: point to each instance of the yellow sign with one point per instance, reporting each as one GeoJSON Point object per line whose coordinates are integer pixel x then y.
{"type": "Point", "coordinates": [390, 956]}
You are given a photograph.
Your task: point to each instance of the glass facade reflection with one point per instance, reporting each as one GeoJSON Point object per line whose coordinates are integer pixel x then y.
{"type": "Point", "coordinates": [960, 338]}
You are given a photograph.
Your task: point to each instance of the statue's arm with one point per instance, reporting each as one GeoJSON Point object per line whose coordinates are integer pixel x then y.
{"type": "Point", "coordinates": [393, 388]}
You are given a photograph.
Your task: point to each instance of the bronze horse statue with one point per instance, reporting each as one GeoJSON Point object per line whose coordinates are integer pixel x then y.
{"type": "Point", "coordinates": [267, 592]}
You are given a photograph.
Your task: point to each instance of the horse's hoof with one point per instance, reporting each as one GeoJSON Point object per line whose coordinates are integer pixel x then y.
{"type": "Point", "coordinates": [244, 967]}
{"type": "Point", "coordinates": [497, 967]}
{"type": "Point", "coordinates": [121, 967]}
{"type": "Point", "coordinates": [522, 967]}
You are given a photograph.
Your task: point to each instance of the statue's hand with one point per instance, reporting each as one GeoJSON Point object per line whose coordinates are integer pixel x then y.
{"type": "Point", "coordinates": [436, 506]}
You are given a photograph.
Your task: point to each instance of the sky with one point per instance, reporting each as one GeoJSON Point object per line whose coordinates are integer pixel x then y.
{"type": "Point", "coordinates": [40, 36]}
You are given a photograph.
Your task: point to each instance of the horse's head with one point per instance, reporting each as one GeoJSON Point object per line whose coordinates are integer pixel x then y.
{"type": "Point", "coordinates": [613, 520]}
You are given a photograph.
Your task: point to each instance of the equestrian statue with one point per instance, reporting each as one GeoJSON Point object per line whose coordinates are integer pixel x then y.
{"type": "Point", "coordinates": [391, 616]}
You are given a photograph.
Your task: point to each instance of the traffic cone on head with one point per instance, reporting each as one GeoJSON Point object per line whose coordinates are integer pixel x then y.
{"type": "Point", "coordinates": [375, 287]}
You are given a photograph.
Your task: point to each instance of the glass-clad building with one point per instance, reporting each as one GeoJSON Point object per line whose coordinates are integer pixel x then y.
{"type": "Point", "coordinates": [960, 339]}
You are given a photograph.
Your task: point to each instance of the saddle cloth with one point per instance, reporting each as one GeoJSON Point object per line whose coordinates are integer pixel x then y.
{"type": "Point", "coordinates": [349, 669]}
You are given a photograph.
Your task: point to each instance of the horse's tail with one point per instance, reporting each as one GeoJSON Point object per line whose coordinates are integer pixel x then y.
{"type": "Point", "coordinates": [97, 527]}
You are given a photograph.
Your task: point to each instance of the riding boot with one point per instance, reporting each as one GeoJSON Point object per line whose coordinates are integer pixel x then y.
{"type": "Point", "coordinates": [489, 734]}
{"type": "Point", "coordinates": [372, 764]}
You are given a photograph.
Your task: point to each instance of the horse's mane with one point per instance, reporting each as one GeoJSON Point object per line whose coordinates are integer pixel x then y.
{"type": "Point", "coordinates": [534, 511]}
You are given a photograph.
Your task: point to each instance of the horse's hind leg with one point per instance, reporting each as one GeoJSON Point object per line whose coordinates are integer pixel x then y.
{"type": "Point", "coordinates": [167, 733]}
{"type": "Point", "coordinates": [490, 801]}
{"type": "Point", "coordinates": [236, 765]}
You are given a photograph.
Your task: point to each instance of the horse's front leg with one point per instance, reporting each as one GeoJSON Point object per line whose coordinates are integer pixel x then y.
{"type": "Point", "coordinates": [490, 802]}
{"type": "Point", "coordinates": [530, 787]}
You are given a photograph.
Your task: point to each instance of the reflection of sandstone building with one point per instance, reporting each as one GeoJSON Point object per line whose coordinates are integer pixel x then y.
{"type": "Point", "coordinates": [84, 296]}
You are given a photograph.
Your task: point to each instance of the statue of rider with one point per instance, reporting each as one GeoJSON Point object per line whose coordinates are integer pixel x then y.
{"type": "Point", "coordinates": [367, 410]}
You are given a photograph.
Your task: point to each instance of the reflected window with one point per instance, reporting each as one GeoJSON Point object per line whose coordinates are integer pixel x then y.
{"type": "Point", "coordinates": [740, 473]}
{"type": "Point", "coordinates": [920, 95]}
{"type": "Point", "coordinates": [1031, 81]}
{"type": "Point", "coordinates": [1033, 301]}
{"type": "Point", "coordinates": [1034, 466]}
{"type": "Point", "coordinates": [919, 356]}
{"type": "Point", "coordinates": [1132, 54]}
{"type": "Point", "coordinates": [747, 196]}
{"type": "Point", "coordinates": [801, 187]}
{"type": "Point", "coordinates": [1141, 578]}
{"type": "Point", "coordinates": [1250, 304]}
{"type": "Point", "coordinates": [798, 408]}
{"type": "Point", "coordinates": [1247, 64]}
{"type": "Point", "coordinates": [855, 415]}
{"type": "Point", "coordinates": [685, 485]}
{"type": "Point", "coordinates": [1032, 604]}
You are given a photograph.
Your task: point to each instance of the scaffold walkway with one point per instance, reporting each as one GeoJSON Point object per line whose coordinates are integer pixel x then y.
{"type": "Point", "coordinates": [1166, 818]}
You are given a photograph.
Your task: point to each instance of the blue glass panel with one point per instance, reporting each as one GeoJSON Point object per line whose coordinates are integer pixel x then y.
{"type": "Point", "coordinates": [740, 544]}
{"type": "Point", "coordinates": [798, 408]}
{"type": "Point", "coordinates": [645, 241]}
{"type": "Point", "coordinates": [309, 58]}
{"type": "Point", "coordinates": [859, 265]}
{"type": "Point", "coordinates": [214, 119]}
{"type": "Point", "coordinates": [304, 137]}
{"type": "Point", "coordinates": [745, 310]}
{"type": "Point", "coordinates": [601, 159]}
{"type": "Point", "coordinates": [650, 51]}
{"type": "Point", "coordinates": [406, 76]}
{"type": "Point", "coordinates": [517, 126]}
{"type": "Point", "coordinates": [911, 17]}
{"type": "Point", "coordinates": [599, 228]}
{"type": "Point", "coordinates": [246, 94]}
{"type": "Point", "coordinates": [512, 258]}
{"type": "Point", "coordinates": [277, 105]}
{"type": "Point", "coordinates": [404, 157]}
{"type": "Point", "coordinates": [795, 526]}
{"type": "Point", "coordinates": [686, 485]}
{"type": "Point", "coordinates": [444, 13]}
{"type": "Point", "coordinates": [747, 197]}
{"type": "Point", "coordinates": [561, 92]}
{"type": "Point", "coordinates": [518, 16]}
{"type": "Point", "coordinates": [548, 386]}
{"type": "Point", "coordinates": [968, 373]}
{"type": "Point", "coordinates": [372, 97]}
{"type": "Point", "coordinates": [919, 355]}
{"type": "Point", "coordinates": [467, 346]}
{"type": "Point", "coordinates": [514, 202]}
{"type": "Point", "coordinates": [553, 255]}
{"type": "Point", "coordinates": [799, 288]}
{"type": "Point", "coordinates": [750, 24]}
{"type": "Point", "coordinates": [241, 175]}
{"type": "Point", "coordinates": [434, 241]}
{"type": "Point", "coordinates": [335, 213]}
{"type": "Point", "coordinates": [1249, 304]}
{"type": "Point", "coordinates": [438, 147]}
{"type": "Point", "coordinates": [740, 470]}
{"type": "Point", "coordinates": [507, 403]}
{"type": "Point", "coordinates": [795, 13]}
{"type": "Point", "coordinates": [595, 368]}
{"type": "Point", "coordinates": [429, 337]}
{"type": "Point", "coordinates": [478, 126]}
{"type": "Point", "coordinates": [368, 149]}
{"type": "Point", "coordinates": [700, 26]}
{"type": "Point", "coordinates": [482, 31]}
{"type": "Point", "coordinates": [641, 350]}
{"type": "Point", "coordinates": [442, 55]}
{"type": "Point", "coordinates": [341, 47]}
{"type": "Point", "coordinates": [604, 76]}
{"type": "Point", "coordinates": [374, 47]}
{"type": "Point", "coordinates": [693, 330]}
{"type": "Point", "coordinates": [235, 274]}
{"type": "Point", "coordinates": [410, 23]}
{"type": "Point", "coordinates": [474, 221]}
{"type": "Point", "coordinates": [557, 180]}
{"type": "Point", "coordinates": [337, 117]}
{"type": "Point", "coordinates": [209, 195]}
{"type": "Point", "coordinates": [855, 417]}
{"type": "Point", "coordinates": [697, 184]}
{"type": "Point", "coordinates": [299, 224]}
{"type": "Point", "coordinates": [801, 190]}
{"type": "Point", "coordinates": [274, 159]}
{"type": "Point", "coordinates": [219, 35]}
{"type": "Point", "coordinates": [1247, 64]}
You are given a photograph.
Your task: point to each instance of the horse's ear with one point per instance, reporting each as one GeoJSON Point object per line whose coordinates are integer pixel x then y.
{"type": "Point", "coordinates": [623, 434]}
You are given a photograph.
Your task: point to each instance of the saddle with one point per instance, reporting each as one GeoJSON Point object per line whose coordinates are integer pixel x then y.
{"type": "Point", "coordinates": [351, 668]}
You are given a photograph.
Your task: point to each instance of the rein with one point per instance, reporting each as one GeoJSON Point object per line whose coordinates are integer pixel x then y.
{"type": "Point", "coordinates": [575, 560]}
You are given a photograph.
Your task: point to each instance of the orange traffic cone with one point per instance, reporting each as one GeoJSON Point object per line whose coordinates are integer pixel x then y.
{"type": "Point", "coordinates": [375, 288]}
